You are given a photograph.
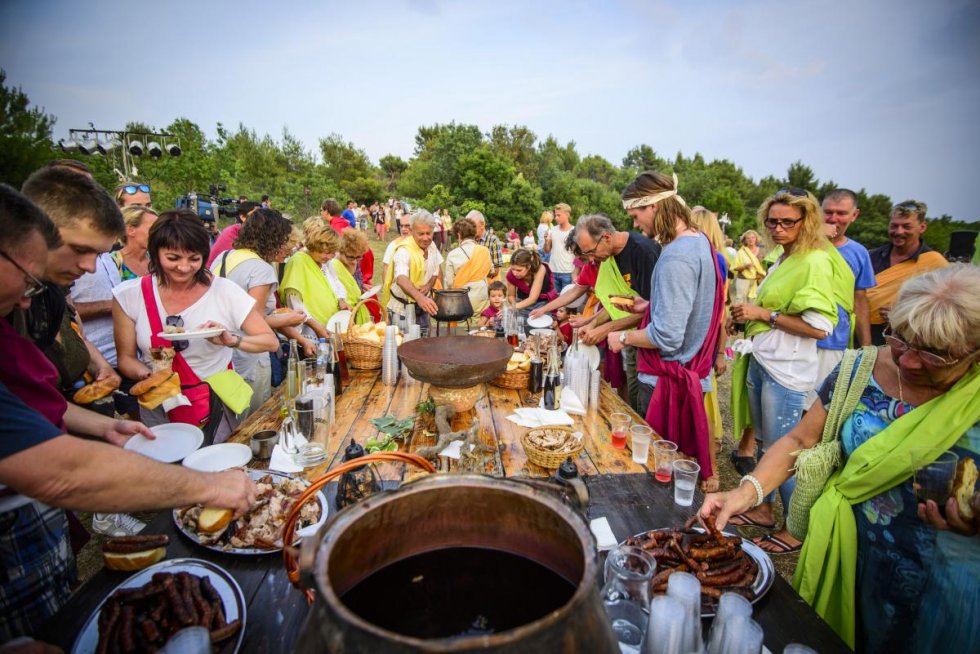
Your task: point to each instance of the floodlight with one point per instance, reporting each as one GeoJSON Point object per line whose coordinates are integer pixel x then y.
{"type": "Point", "coordinates": [136, 148]}
{"type": "Point", "coordinates": [154, 150]}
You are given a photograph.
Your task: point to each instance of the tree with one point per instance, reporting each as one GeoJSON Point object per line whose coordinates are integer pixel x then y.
{"type": "Point", "coordinates": [25, 135]}
{"type": "Point", "coordinates": [643, 158]}
{"type": "Point", "coordinates": [801, 176]}
{"type": "Point", "coordinates": [516, 143]}
{"type": "Point", "coordinates": [345, 164]}
{"type": "Point", "coordinates": [597, 169]}
{"type": "Point", "coordinates": [392, 167]}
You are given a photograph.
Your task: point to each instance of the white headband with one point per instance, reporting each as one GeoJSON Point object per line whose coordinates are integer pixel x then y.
{"type": "Point", "coordinates": [647, 200]}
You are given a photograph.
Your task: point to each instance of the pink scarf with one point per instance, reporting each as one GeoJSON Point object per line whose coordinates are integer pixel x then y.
{"type": "Point", "coordinates": [676, 410]}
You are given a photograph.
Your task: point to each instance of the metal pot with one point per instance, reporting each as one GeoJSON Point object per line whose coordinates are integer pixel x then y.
{"type": "Point", "coordinates": [454, 304]}
{"type": "Point", "coordinates": [439, 514]}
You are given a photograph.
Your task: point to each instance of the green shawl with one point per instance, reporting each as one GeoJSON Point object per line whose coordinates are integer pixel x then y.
{"type": "Point", "coordinates": [609, 281]}
{"type": "Point", "coordinates": [825, 575]}
{"type": "Point", "coordinates": [305, 276]}
{"type": "Point", "coordinates": [801, 282]}
{"type": "Point", "coordinates": [353, 292]}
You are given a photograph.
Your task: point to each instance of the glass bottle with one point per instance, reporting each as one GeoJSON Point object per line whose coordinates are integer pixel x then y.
{"type": "Point", "coordinates": [552, 380]}
{"type": "Point", "coordinates": [626, 594]}
{"type": "Point", "coordinates": [293, 387]}
{"type": "Point", "coordinates": [338, 365]}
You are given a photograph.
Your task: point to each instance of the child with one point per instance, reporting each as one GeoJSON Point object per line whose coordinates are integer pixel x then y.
{"type": "Point", "coordinates": [497, 292]}
{"type": "Point", "coordinates": [564, 314]}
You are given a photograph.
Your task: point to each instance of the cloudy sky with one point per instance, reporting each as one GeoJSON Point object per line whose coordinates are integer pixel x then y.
{"type": "Point", "coordinates": [879, 94]}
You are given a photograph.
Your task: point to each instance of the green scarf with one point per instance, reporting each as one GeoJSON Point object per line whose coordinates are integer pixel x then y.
{"type": "Point", "coordinates": [353, 292]}
{"type": "Point", "coordinates": [825, 575]}
{"type": "Point", "coordinates": [608, 282]}
{"type": "Point", "coordinates": [804, 281]}
{"type": "Point", "coordinates": [305, 276]}
{"type": "Point", "coordinates": [843, 287]}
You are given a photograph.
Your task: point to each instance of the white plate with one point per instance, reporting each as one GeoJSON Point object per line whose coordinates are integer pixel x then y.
{"type": "Point", "coordinates": [543, 332]}
{"type": "Point", "coordinates": [190, 336]}
{"type": "Point", "coordinates": [338, 322]}
{"type": "Point", "coordinates": [215, 458]}
{"type": "Point", "coordinates": [229, 590]}
{"type": "Point", "coordinates": [371, 292]}
{"type": "Point", "coordinates": [592, 353]}
{"type": "Point", "coordinates": [255, 475]}
{"type": "Point", "coordinates": [173, 442]}
{"type": "Point", "coordinates": [541, 322]}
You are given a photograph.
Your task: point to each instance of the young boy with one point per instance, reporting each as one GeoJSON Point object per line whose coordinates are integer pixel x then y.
{"type": "Point", "coordinates": [563, 315]}
{"type": "Point", "coordinates": [497, 292]}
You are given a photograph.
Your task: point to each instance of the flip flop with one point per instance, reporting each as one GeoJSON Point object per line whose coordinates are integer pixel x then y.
{"type": "Point", "coordinates": [782, 546]}
{"type": "Point", "coordinates": [743, 464]}
{"type": "Point", "coordinates": [746, 521]}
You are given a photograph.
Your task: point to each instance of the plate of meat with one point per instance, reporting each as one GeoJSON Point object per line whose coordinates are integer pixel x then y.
{"type": "Point", "coordinates": [260, 530]}
{"type": "Point", "coordinates": [722, 562]}
{"type": "Point", "coordinates": [144, 611]}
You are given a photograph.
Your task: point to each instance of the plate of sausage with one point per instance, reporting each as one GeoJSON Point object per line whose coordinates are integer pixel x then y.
{"type": "Point", "coordinates": [722, 562]}
{"type": "Point", "coordinates": [144, 611]}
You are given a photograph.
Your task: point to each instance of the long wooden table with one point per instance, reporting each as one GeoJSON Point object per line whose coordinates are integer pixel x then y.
{"type": "Point", "coordinates": [622, 491]}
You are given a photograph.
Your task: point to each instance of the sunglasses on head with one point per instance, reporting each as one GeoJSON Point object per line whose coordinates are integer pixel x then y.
{"type": "Point", "coordinates": [133, 189]}
{"type": "Point", "coordinates": [792, 190]}
{"type": "Point", "coordinates": [177, 321]}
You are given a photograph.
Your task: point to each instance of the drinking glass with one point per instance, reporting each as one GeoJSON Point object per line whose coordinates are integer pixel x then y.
{"type": "Point", "coordinates": [686, 589]}
{"type": "Point", "coordinates": [626, 593]}
{"type": "Point", "coordinates": [663, 458]}
{"type": "Point", "coordinates": [620, 424]}
{"type": "Point", "coordinates": [730, 606]}
{"type": "Point", "coordinates": [311, 424]}
{"type": "Point", "coordinates": [685, 479]}
{"type": "Point", "coordinates": [932, 481]}
{"type": "Point", "coordinates": [641, 443]}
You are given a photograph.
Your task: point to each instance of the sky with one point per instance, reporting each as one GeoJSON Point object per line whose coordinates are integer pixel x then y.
{"type": "Point", "coordinates": [873, 94]}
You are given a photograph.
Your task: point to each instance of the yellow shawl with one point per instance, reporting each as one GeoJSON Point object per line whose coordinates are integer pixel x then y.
{"type": "Point", "coordinates": [416, 268]}
{"type": "Point", "coordinates": [476, 269]}
{"type": "Point", "coordinates": [305, 276]}
{"type": "Point", "coordinates": [889, 280]}
{"type": "Point", "coordinates": [353, 291]}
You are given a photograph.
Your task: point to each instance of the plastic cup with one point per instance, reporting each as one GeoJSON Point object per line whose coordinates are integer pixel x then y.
{"type": "Point", "coordinates": [932, 481]}
{"type": "Point", "coordinates": [663, 458]}
{"type": "Point", "coordinates": [685, 481]}
{"type": "Point", "coordinates": [665, 631]}
{"type": "Point", "coordinates": [619, 423]}
{"type": "Point", "coordinates": [641, 443]}
{"type": "Point", "coordinates": [686, 589]}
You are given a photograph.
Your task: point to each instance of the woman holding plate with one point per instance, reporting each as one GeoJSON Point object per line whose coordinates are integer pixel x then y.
{"type": "Point", "coordinates": [180, 294]}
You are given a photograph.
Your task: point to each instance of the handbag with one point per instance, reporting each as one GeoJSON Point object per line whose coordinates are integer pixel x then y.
{"type": "Point", "coordinates": [816, 464]}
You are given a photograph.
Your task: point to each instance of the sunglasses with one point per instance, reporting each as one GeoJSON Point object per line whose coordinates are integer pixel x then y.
{"type": "Point", "coordinates": [177, 321]}
{"type": "Point", "coordinates": [133, 189]}
{"type": "Point", "coordinates": [930, 359]}
{"type": "Point", "coordinates": [792, 190]}
{"type": "Point", "coordinates": [785, 223]}
{"type": "Point", "coordinates": [34, 285]}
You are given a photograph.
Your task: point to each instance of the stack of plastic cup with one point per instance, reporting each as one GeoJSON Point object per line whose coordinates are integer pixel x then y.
{"type": "Point", "coordinates": [686, 589]}
{"type": "Point", "coordinates": [730, 606]}
{"type": "Point", "coordinates": [389, 356]}
{"type": "Point", "coordinates": [577, 375]}
{"type": "Point", "coordinates": [742, 636]}
{"type": "Point", "coordinates": [409, 317]}
{"type": "Point", "coordinates": [665, 631]}
{"type": "Point", "coordinates": [594, 382]}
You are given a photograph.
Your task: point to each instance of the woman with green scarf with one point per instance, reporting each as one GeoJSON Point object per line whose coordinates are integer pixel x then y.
{"type": "Point", "coordinates": [353, 245]}
{"type": "Point", "coordinates": [889, 573]}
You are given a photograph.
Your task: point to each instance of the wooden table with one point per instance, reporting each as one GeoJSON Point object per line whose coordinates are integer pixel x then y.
{"type": "Point", "coordinates": [622, 491]}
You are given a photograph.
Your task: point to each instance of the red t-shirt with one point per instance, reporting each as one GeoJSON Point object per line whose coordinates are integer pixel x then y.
{"type": "Point", "coordinates": [566, 332]}
{"type": "Point", "coordinates": [339, 224]}
{"type": "Point", "coordinates": [29, 375]}
{"type": "Point", "coordinates": [224, 242]}
{"type": "Point", "coordinates": [589, 275]}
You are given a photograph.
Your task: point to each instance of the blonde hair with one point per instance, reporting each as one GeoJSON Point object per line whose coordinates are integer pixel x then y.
{"type": "Point", "coordinates": [668, 211]}
{"type": "Point", "coordinates": [547, 218]}
{"type": "Point", "coordinates": [940, 309]}
{"type": "Point", "coordinates": [707, 222]}
{"type": "Point", "coordinates": [319, 236]}
{"type": "Point", "coordinates": [741, 239]}
{"type": "Point", "coordinates": [353, 243]}
{"type": "Point", "coordinates": [812, 234]}
{"type": "Point", "coordinates": [133, 217]}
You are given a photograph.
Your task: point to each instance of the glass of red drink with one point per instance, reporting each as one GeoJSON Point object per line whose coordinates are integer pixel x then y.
{"type": "Point", "coordinates": [663, 453]}
{"type": "Point", "coordinates": [620, 426]}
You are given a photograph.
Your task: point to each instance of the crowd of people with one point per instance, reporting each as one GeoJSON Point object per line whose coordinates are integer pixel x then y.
{"type": "Point", "coordinates": [91, 280]}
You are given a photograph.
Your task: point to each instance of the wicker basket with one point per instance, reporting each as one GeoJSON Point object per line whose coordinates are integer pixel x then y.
{"type": "Point", "coordinates": [516, 379]}
{"type": "Point", "coordinates": [361, 353]}
{"type": "Point", "coordinates": [547, 458]}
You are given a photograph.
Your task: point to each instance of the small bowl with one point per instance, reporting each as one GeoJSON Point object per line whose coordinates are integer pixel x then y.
{"type": "Point", "coordinates": [262, 444]}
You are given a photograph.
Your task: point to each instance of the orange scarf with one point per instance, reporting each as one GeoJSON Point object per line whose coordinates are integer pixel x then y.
{"type": "Point", "coordinates": [890, 280]}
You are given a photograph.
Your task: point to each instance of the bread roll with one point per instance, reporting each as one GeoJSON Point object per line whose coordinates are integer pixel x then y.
{"type": "Point", "coordinates": [95, 391]}
{"type": "Point", "coordinates": [964, 481]}
{"type": "Point", "coordinates": [133, 560]}
{"type": "Point", "coordinates": [213, 520]}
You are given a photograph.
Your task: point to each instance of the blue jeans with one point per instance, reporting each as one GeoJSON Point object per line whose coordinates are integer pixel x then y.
{"type": "Point", "coordinates": [561, 280]}
{"type": "Point", "coordinates": [775, 411]}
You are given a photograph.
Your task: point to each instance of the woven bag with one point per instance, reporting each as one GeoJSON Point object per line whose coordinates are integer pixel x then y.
{"type": "Point", "coordinates": [816, 464]}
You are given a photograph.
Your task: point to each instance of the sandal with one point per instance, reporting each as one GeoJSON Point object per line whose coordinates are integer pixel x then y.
{"type": "Point", "coordinates": [743, 464]}
{"type": "Point", "coordinates": [780, 546]}
{"type": "Point", "coordinates": [745, 521]}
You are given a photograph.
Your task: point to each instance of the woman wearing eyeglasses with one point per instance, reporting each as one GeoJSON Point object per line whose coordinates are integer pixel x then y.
{"type": "Point", "coordinates": [262, 242]}
{"type": "Point", "coordinates": [529, 281]}
{"type": "Point", "coordinates": [181, 293]}
{"type": "Point", "coordinates": [347, 266]}
{"type": "Point", "coordinates": [795, 307]}
{"type": "Point", "coordinates": [889, 571]}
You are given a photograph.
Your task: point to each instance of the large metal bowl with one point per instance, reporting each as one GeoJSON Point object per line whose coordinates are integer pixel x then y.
{"type": "Point", "coordinates": [455, 361]}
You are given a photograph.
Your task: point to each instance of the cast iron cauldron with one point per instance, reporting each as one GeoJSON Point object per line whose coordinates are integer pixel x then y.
{"type": "Point", "coordinates": [453, 303]}
{"type": "Point", "coordinates": [436, 514]}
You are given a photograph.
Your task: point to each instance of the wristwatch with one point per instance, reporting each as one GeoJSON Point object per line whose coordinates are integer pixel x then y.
{"type": "Point", "coordinates": [622, 338]}
{"type": "Point", "coordinates": [772, 319]}
{"type": "Point", "coordinates": [237, 343]}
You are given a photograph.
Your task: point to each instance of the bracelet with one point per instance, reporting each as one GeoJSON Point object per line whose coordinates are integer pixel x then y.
{"type": "Point", "coordinates": [759, 495]}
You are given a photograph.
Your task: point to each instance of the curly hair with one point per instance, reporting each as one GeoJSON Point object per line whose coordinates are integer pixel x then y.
{"type": "Point", "coordinates": [265, 233]}
{"type": "Point", "coordinates": [319, 236]}
{"type": "Point", "coordinates": [179, 229]}
{"type": "Point", "coordinates": [812, 235]}
{"type": "Point", "coordinates": [465, 228]}
{"type": "Point", "coordinates": [353, 243]}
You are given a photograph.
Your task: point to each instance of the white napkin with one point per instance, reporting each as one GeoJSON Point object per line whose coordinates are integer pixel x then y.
{"type": "Point", "coordinates": [282, 462]}
{"type": "Point", "coordinates": [452, 450]}
{"type": "Point", "coordinates": [742, 346]}
{"type": "Point", "coordinates": [604, 537]}
{"type": "Point", "coordinates": [526, 417]}
{"type": "Point", "coordinates": [570, 402]}
{"type": "Point", "coordinates": [173, 402]}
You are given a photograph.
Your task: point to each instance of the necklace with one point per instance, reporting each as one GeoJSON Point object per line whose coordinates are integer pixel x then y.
{"type": "Point", "coordinates": [901, 395]}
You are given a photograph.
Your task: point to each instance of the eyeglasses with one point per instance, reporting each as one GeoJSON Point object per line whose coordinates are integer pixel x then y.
{"type": "Point", "coordinates": [785, 223]}
{"type": "Point", "coordinates": [133, 189]}
{"type": "Point", "coordinates": [34, 285]}
{"type": "Point", "coordinates": [591, 253]}
{"type": "Point", "coordinates": [928, 358]}
{"type": "Point", "coordinates": [177, 321]}
{"type": "Point", "coordinates": [792, 190]}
